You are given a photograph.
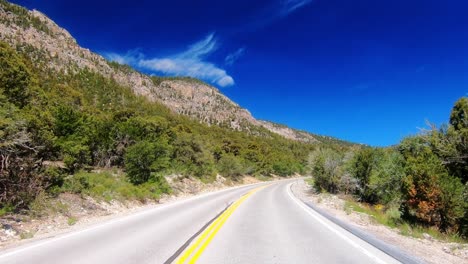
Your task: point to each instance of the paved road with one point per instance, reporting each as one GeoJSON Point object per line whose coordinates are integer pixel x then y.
{"type": "Point", "coordinates": [262, 224]}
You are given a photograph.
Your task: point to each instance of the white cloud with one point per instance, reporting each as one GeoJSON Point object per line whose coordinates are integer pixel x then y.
{"type": "Point", "coordinates": [201, 48]}
{"type": "Point", "coordinates": [131, 57]}
{"type": "Point", "coordinates": [288, 6]}
{"type": "Point", "coordinates": [233, 57]}
{"type": "Point", "coordinates": [189, 67]}
{"type": "Point", "coordinates": [276, 10]}
{"type": "Point", "coordinates": [190, 62]}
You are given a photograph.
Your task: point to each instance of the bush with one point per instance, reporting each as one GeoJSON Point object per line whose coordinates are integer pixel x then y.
{"type": "Point", "coordinates": [432, 196]}
{"type": "Point", "coordinates": [55, 177]}
{"type": "Point", "coordinates": [75, 154]}
{"type": "Point", "coordinates": [361, 167]}
{"type": "Point", "coordinates": [145, 158]}
{"type": "Point", "coordinates": [386, 177]}
{"type": "Point", "coordinates": [15, 77]}
{"type": "Point", "coordinates": [326, 169]}
{"type": "Point", "coordinates": [229, 165]}
{"type": "Point", "coordinates": [78, 184]}
{"type": "Point", "coordinates": [110, 186]}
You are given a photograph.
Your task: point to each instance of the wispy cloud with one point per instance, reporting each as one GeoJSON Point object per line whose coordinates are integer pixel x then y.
{"type": "Point", "coordinates": [191, 62]}
{"type": "Point", "coordinates": [200, 48]}
{"type": "Point", "coordinates": [131, 57]}
{"type": "Point", "coordinates": [276, 10]}
{"type": "Point", "coordinates": [233, 57]}
{"type": "Point", "coordinates": [289, 6]}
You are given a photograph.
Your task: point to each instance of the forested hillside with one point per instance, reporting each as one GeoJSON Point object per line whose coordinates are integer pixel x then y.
{"type": "Point", "coordinates": [66, 112]}
{"type": "Point", "coordinates": [54, 125]}
{"type": "Point", "coordinates": [50, 46]}
{"type": "Point", "coordinates": [421, 181]}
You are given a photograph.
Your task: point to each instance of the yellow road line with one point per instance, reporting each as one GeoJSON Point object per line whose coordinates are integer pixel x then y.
{"type": "Point", "coordinates": [211, 231]}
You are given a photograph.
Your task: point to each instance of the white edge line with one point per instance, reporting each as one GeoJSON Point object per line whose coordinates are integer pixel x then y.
{"type": "Point", "coordinates": [331, 228]}
{"type": "Point", "coordinates": [119, 219]}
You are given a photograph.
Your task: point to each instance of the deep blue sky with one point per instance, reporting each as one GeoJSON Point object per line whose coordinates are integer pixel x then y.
{"type": "Point", "coordinates": [364, 70]}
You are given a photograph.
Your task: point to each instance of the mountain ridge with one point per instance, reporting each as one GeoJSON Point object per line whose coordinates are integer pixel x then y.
{"type": "Point", "coordinates": [34, 32]}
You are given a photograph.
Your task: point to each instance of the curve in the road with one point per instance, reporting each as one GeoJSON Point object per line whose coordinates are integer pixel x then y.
{"type": "Point", "coordinates": [256, 225]}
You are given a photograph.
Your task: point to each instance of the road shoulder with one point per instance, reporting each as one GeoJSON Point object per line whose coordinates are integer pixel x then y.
{"type": "Point", "coordinates": [17, 230]}
{"type": "Point", "coordinates": [429, 250]}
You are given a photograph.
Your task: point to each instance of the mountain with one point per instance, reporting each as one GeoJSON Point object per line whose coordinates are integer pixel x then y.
{"type": "Point", "coordinates": [53, 47]}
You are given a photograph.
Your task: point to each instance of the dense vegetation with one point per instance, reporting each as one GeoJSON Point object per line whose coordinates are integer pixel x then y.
{"type": "Point", "coordinates": [423, 180]}
{"type": "Point", "coordinates": [55, 127]}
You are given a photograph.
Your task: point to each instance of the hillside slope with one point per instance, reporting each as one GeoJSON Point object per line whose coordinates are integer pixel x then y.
{"type": "Point", "coordinates": [53, 47]}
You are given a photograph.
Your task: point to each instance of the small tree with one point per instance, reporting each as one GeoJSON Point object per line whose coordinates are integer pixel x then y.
{"type": "Point", "coordinates": [230, 165]}
{"type": "Point", "coordinates": [431, 195]}
{"type": "Point", "coordinates": [386, 177]}
{"type": "Point", "coordinates": [145, 158]}
{"type": "Point", "coordinates": [138, 160]}
{"type": "Point", "coordinates": [326, 169]}
{"type": "Point", "coordinates": [16, 79]}
{"type": "Point", "coordinates": [361, 169]}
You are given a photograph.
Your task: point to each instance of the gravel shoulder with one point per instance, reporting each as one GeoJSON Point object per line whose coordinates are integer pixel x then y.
{"type": "Point", "coordinates": [427, 248]}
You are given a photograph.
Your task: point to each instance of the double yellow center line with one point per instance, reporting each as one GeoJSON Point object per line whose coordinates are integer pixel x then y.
{"type": "Point", "coordinates": [193, 253]}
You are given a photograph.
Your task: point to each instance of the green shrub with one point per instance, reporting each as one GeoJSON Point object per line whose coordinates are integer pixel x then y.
{"type": "Point", "coordinates": [109, 186]}
{"type": "Point", "coordinates": [145, 158]}
{"type": "Point", "coordinates": [138, 161]}
{"type": "Point", "coordinates": [326, 169]}
{"type": "Point", "coordinates": [78, 183]}
{"type": "Point", "coordinates": [72, 221]}
{"type": "Point", "coordinates": [229, 165]}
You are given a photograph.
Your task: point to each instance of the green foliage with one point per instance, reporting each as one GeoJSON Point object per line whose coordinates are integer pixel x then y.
{"type": "Point", "coordinates": [390, 216]}
{"type": "Point", "coordinates": [459, 114]}
{"type": "Point", "coordinates": [77, 183]}
{"type": "Point", "coordinates": [422, 181]}
{"type": "Point", "coordinates": [230, 165]}
{"type": "Point", "coordinates": [326, 169]}
{"type": "Point", "coordinates": [6, 210]}
{"type": "Point", "coordinates": [191, 157]}
{"type": "Point", "coordinates": [431, 195]}
{"type": "Point", "coordinates": [83, 121]}
{"type": "Point", "coordinates": [421, 187]}
{"type": "Point", "coordinates": [379, 175]}
{"type": "Point", "coordinates": [386, 177]}
{"type": "Point", "coordinates": [18, 160]}
{"type": "Point", "coordinates": [110, 186]}
{"type": "Point", "coordinates": [361, 169]}
{"type": "Point", "coordinates": [138, 161]}
{"type": "Point", "coordinates": [452, 204]}
{"type": "Point", "coordinates": [72, 220]}
{"type": "Point", "coordinates": [15, 77]}
{"type": "Point", "coordinates": [75, 154]}
{"type": "Point", "coordinates": [56, 178]}
{"type": "Point", "coordinates": [453, 143]}
{"type": "Point", "coordinates": [144, 159]}
{"type": "Point", "coordinates": [67, 121]}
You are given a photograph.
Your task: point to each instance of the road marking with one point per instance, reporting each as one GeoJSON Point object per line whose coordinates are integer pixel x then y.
{"type": "Point", "coordinates": [66, 234]}
{"type": "Point", "coordinates": [331, 228]}
{"type": "Point", "coordinates": [193, 253]}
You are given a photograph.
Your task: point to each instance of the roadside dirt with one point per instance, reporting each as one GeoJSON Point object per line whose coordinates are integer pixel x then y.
{"type": "Point", "coordinates": [70, 212]}
{"type": "Point", "coordinates": [428, 249]}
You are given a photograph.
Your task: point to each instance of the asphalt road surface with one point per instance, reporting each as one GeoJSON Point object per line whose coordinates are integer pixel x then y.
{"type": "Point", "coordinates": [261, 223]}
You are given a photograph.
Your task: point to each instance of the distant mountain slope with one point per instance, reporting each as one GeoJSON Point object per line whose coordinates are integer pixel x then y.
{"type": "Point", "coordinates": [53, 47]}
